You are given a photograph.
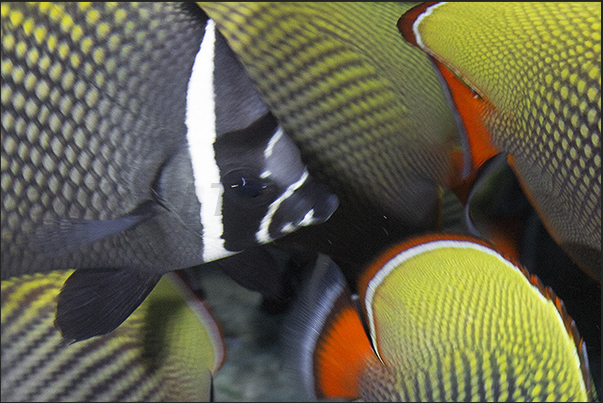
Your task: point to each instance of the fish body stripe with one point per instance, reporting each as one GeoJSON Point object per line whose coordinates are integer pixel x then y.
{"type": "Point", "coordinates": [348, 108]}
{"type": "Point", "coordinates": [201, 135]}
{"type": "Point", "coordinates": [91, 114]}
{"type": "Point", "coordinates": [273, 140]}
{"type": "Point", "coordinates": [420, 18]}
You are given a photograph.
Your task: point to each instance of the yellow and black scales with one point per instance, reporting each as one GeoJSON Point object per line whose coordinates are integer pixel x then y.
{"type": "Point", "coordinates": [167, 350]}
{"type": "Point", "coordinates": [449, 319]}
{"type": "Point", "coordinates": [109, 78]}
{"type": "Point", "coordinates": [365, 108]}
{"type": "Point", "coordinates": [539, 67]}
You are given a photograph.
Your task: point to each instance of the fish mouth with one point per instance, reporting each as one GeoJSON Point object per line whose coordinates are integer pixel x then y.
{"type": "Point", "coordinates": [312, 203]}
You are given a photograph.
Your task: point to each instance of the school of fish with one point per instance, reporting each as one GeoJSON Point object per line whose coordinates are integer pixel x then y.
{"type": "Point", "coordinates": [375, 143]}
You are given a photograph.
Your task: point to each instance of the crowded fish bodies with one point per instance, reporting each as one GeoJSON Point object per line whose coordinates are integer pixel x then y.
{"type": "Point", "coordinates": [383, 174]}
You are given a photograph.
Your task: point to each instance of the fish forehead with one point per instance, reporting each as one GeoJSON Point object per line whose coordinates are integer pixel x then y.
{"type": "Point", "coordinates": [444, 286]}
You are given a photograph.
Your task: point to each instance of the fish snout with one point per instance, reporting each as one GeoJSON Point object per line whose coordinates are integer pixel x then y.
{"type": "Point", "coordinates": [312, 203]}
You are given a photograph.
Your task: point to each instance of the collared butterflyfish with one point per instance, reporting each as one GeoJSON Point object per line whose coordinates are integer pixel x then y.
{"type": "Point", "coordinates": [134, 144]}
{"type": "Point", "coordinates": [533, 71]}
{"type": "Point", "coordinates": [437, 318]}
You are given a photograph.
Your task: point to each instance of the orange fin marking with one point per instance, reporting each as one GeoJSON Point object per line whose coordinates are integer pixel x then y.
{"type": "Point", "coordinates": [341, 354]}
{"type": "Point", "coordinates": [470, 107]}
{"type": "Point", "coordinates": [408, 19]}
{"type": "Point", "coordinates": [504, 235]}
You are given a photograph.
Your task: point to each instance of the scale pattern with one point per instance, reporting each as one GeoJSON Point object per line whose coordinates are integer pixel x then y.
{"type": "Point", "coordinates": [88, 115]}
{"type": "Point", "coordinates": [364, 107]}
{"type": "Point", "coordinates": [539, 64]}
{"type": "Point", "coordinates": [470, 328]}
{"type": "Point", "coordinates": [165, 351]}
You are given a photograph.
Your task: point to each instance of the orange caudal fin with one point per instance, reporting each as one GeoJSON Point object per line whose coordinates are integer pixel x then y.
{"type": "Point", "coordinates": [324, 339]}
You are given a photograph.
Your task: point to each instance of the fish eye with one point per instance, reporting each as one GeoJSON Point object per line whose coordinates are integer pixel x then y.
{"type": "Point", "coordinates": [244, 187]}
{"type": "Point", "coordinates": [247, 187]}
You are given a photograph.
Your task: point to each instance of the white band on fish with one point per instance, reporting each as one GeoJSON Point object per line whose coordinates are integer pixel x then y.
{"type": "Point", "coordinates": [263, 235]}
{"type": "Point", "coordinates": [201, 135]}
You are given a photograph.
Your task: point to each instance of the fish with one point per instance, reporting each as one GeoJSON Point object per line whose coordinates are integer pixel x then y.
{"type": "Point", "coordinates": [365, 109]}
{"type": "Point", "coordinates": [354, 235]}
{"type": "Point", "coordinates": [533, 72]}
{"type": "Point", "coordinates": [167, 350]}
{"type": "Point", "coordinates": [438, 317]}
{"type": "Point", "coordinates": [135, 144]}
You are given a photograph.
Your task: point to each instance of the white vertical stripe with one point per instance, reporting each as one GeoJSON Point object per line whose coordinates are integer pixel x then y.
{"type": "Point", "coordinates": [273, 140]}
{"type": "Point", "coordinates": [201, 135]}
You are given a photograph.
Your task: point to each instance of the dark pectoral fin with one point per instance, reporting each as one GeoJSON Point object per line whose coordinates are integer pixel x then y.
{"type": "Point", "coordinates": [481, 186]}
{"type": "Point", "coordinates": [66, 235]}
{"type": "Point", "coordinates": [497, 208]}
{"type": "Point", "coordinates": [95, 302]}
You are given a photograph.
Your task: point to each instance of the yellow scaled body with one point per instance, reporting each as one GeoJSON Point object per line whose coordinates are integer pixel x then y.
{"type": "Point", "coordinates": [449, 319]}
{"type": "Point", "coordinates": [468, 325]}
{"type": "Point", "coordinates": [167, 350]}
{"type": "Point", "coordinates": [537, 66]}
